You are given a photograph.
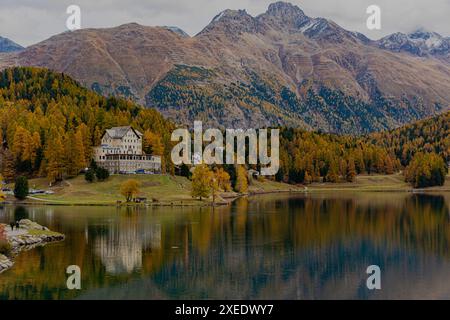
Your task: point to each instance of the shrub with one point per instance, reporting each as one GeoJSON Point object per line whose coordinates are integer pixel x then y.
{"type": "Point", "coordinates": [101, 173]}
{"type": "Point", "coordinates": [89, 176]}
{"type": "Point", "coordinates": [21, 188]}
{"type": "Point", "coordinates": [185, 171]}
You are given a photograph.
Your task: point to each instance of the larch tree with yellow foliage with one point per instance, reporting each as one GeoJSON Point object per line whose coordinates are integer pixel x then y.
{"type": "Point", "coordinates": [202, 179]}
{"type": "Point", "coordinates": [241, 179]}
{"type": "Point", "coordinates": [74, 152]}
{"type": "Point", "coordinates": [54, 153]}
{"type": "Point", "coordinates": [223, 179]}
{"type": "Point", "coordinates": [2, 195]}
{"type": "Point", "coordinates": [152, 144]}
{"type": "Point", "coordinates": [8, 166]}
{"type": "Point", "coordinates": [24, 148]}
{"type": "Point", "coordinates": [130, 189]}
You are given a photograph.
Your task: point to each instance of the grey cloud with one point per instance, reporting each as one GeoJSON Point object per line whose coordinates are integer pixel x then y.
{"type": "Point", "coordinates": [28, 22]}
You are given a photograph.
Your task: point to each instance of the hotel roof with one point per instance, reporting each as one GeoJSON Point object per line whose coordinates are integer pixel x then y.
{"type": "Point", "coordinates": [120, 132]}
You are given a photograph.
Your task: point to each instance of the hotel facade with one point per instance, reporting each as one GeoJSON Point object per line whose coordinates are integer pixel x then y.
{"type": "Point", "coordinates": [121, 152]}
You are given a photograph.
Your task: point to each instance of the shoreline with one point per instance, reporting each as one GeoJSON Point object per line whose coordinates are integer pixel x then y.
{"type": "Point", "coordinates": [226, 200]}
{"type": "Point", "coordinates": [174, 191]}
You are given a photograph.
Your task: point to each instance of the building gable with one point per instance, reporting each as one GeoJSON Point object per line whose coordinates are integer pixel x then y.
{"type": "Point", "coordinates": [120, 132]}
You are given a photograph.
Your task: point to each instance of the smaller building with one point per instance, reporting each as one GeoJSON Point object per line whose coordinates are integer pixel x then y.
{"type": "Point", "coordinates": [121, 153]}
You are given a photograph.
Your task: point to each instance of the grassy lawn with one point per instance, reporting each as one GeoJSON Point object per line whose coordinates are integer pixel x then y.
{"type": "Point", "coordinates": [267, 185]}
{"type": "Point", "coordinates": [395, 182]}
{"type": "Point", "coordinates": [176, 190]}
{"type": "Point", "coordinates": [164, 188]}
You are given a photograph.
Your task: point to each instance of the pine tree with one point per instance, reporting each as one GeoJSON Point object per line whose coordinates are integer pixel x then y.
{"type": "Point", "coordinates": [89, 175]}
{"type": "Point", "coordinates": [102, 174]}
{"type": "Point", "coordinates": [21, 188]}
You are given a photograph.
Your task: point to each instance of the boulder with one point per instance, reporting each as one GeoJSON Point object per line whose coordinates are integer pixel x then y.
{"type": "Point", "coordinates": [30, 225]}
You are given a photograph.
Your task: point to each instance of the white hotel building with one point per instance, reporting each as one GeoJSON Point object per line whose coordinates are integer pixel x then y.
{"type": "Point", "coordinates": [121, 152]}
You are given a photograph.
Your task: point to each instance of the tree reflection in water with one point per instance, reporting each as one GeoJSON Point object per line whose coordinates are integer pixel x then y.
{"type": "Point", "coordinates": [266, 247]}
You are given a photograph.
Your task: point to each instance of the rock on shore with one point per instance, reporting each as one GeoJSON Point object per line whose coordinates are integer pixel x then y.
{"type": "Point", "coordinates": [5, 263]}
{"type": "Point", "coordinates": [29, 235]}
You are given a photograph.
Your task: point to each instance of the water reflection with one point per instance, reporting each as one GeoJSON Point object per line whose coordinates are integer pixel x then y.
{"type": "Point", "coordinates": [121, 246]}
{"type": "Point", "coordinates": [269, 247]}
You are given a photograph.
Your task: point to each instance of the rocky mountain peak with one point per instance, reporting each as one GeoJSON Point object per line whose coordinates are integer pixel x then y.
{"type": "Point", "coordinates": [284, 10]}
{"type": "Point", "coordinates": [229, 15]}
{"type": "Point", "coordinates": [420, 42]}
{"type": "Point", "coordinates": [284, 16]}
{"type": "Point", "coordinates": [422, 33]}
{"type": "Point", "coordinates": [232, 23]}
{"type": "Point", "coordinates": [7, 45]}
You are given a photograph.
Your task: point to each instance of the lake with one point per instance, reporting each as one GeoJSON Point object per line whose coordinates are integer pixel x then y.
{"type": "Point", "coordinates": [280, 246]}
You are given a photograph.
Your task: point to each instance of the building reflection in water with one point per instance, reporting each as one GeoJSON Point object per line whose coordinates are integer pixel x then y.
{"type": "Point", "coordinates": [121, 244]}
{"type": "Point", "coordinates": [313, 246]}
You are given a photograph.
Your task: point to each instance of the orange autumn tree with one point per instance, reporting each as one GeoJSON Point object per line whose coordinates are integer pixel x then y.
{"type": "Point", "coordinates": [223, 179]}
{"type": "Point", "coordinates": [152, 144]}
{"type": "Point", "coordinates": [130, 189]}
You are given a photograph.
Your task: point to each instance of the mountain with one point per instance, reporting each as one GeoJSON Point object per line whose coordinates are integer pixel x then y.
{"type": "Point", "coordinates": [420, 43]}
{"type": "Point", "coordinates": [278, 68]}
{"type": "Point", "coordinates": [7, 45]}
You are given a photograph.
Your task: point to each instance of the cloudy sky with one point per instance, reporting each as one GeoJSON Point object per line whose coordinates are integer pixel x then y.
{"type": "Point", "coordinates": [31, 21]}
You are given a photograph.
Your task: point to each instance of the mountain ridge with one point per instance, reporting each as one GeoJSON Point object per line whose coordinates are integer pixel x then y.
{"type": "Point", "coordinates": [7, 45]}
{"type": "Point", "coordinates": [278, 68]}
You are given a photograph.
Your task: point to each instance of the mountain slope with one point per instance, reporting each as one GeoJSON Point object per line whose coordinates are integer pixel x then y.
{"type": "Point", "coordinates": [7, 45]}
{"type": "Point", "coordinates": [279, 68]}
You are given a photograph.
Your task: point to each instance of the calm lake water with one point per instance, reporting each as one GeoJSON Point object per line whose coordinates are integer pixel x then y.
{"type": "Point", "coordinates": [266, 247]}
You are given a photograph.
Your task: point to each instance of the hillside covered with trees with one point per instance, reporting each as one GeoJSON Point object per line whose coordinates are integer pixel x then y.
{"type": "Point", "coordinates": [310, 156]}
{"type": "Point", "coordinates": [307, 157]}
{"type": "Point", "coordinates": [429, 135]}
{"type": "Point", "coordinates": [49, 124]}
